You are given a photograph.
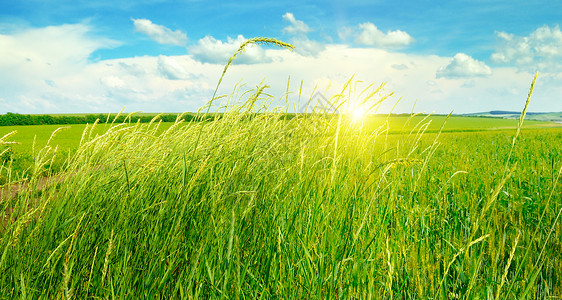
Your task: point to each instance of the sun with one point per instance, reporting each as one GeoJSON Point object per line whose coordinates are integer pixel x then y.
{"type": "Point", "coordinates": [358, 113]}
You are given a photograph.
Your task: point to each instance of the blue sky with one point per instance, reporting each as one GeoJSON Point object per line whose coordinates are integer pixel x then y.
{"type": "Point", "coordinates": [166, 56]}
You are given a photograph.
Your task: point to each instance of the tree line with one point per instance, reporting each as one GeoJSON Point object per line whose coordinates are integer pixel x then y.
{"type": "Point", "coordinates": [13, 119]}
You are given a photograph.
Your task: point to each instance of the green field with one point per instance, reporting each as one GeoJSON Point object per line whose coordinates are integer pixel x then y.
{"type": "Point", "coordinates": [310, 207]}
{"type": "Point", "coordinates": [30, 139]}
{"type": "Point", "coordinates": [255, 205]}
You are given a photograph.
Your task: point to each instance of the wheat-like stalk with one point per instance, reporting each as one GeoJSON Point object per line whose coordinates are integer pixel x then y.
{"type": "Point", "coordinates": [521, 119]}
{"type": "Point", "coordinates": [22, 286]}
{"type": "Point", "coordinates": [107, 255]}
{"type": "Point", "coordinates": [55, 133]}
{"type": "Point", "coordinates": [68, 293]}
{"type": "Point", "coordinates": [390, 270]}
{"type": "Point", "coordinates": [242, 49]}
{"type": "Point", "coordinates": [7, 136]}
{"type": "Point", "coordinates": [506, 269]}
{"type": "Point", "coordinates": [462, 250]}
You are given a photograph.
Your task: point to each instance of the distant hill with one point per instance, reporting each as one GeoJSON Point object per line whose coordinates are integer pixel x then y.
{"type": "Point", "coordinates": [538, 116]}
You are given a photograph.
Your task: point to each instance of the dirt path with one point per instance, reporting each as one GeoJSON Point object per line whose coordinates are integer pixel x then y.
{"type": "Point", "coordinates": [10, 191]}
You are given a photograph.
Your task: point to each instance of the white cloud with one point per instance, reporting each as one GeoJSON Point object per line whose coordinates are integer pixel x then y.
{"type": "Point", "coordinates": [159, 33]}
{"type": "Point", "coordinates": [307, 47]}
{"type": "Point", "coordinates": [171, 69]}
{"type": "Point", "coordinates": [59, 80]}
{"type": "Point", "coordinates": [303, 45]}
{"type": "Point", "coordinates": [33, 61]}
{"type": "Point", "coordinates": [108, 86]}
{"type": "Point", "coordinates": [463, 66]}
{"type": "Point", "coordinates": [370, 35]}
{"type": "Point", "coordinates": [541, 50]}
{"type": "Point", "coordinates": [132, 68]}
{"type": "Point", "coordinates": [345, 32]}
{"type": "Point", "coordinates": [296, 27]}
{"type": "Point", "coordinates": [157, 88]}
{"type": "Point", "coordinates": [338, 63]}
{"type": "Point", "coordinates": [49, 70]}
{"type": "Point", "coordinates": [211, 50]}
{"type": "Point", "coordinates": [112, 82]}
{"type": "Point", "coordinates": [50, 48]}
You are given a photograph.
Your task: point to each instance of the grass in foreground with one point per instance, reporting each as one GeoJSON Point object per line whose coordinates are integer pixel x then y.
{"type": "Point", "coordinates": [308, 208]}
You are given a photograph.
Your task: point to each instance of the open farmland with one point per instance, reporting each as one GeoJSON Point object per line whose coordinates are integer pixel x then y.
{"type": "Point", "coordinates": [70, 135]}
{"type": "Point", "coordinates": [27, 141]}
{"type": "Point", "coordinates": [30, 139]}
{"type": "Point", "coordinates": [307, 207]}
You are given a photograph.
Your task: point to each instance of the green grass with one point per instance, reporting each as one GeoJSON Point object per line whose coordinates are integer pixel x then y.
{"type": "Point", "coordinates": [256, 206]}
{"type": "Point", "coordinates": [68, 139]}
{"type": "Point", "coordinates": [29, 140]}
{"type": "Point", "coordinates": [263, 208]}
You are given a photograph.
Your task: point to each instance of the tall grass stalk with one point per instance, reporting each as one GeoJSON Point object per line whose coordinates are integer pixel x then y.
{"type": "Point", "coordinates": [265, 205]}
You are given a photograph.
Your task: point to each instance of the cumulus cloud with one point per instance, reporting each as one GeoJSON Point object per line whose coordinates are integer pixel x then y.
{"type": "Point", "coordinates": [171, 69]}
{"type": "Point", "coordinates": [541, 50]}
{"type": "Point", "coordinates": [106, 86]}
{"type": "Point", "coordinates": [296, 27]}
{"type": "Point", "coordinates": [463, 66]}
{"type": "Point", "coordinates": [50, 70]}
{"type": "Point", "coordinates": [157, 88]}
{"type": "Point", "coordinates": [303, 44]}
{"type": "Point", "coordinates": [33, 62]}
{"type": "Point", "coordinates": [211, 50]}
{"type": "Point", "coordinates": [44, 72]}
{"type": "Point", "coordinates": [368, 34]}
{"type": "Point", "coordinates": [307, 47]}
{"type": "Point", "coordinates": [159, 33]}
{"type": "Point", "coordinates": [50, 47]}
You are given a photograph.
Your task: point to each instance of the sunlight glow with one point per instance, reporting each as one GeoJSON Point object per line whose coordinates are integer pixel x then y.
{"type": "Point", "coordinates": [358, 113]}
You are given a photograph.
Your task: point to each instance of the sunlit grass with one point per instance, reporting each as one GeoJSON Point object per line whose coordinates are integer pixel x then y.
{"type": "Point", "coordinates": [252, 205]}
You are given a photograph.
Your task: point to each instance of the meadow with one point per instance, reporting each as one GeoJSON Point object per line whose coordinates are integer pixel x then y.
{"type": "Point", "coordinates": [28, 140]}
{"type": "Point", "coordinates": [253, 205]}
